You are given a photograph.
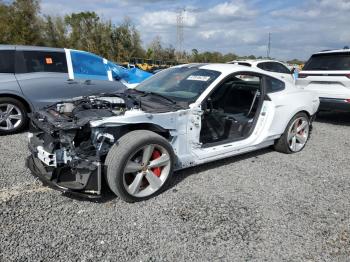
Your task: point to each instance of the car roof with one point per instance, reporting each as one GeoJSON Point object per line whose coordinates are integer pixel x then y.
{"type": "Point", "coordinates": [333, 51]}
{"type": "Point", "coordinates": [255, 61]}
{"type": "Point", "coordinates": [224, 68]}
{"type": "Point", "coordinates": [30, 48]}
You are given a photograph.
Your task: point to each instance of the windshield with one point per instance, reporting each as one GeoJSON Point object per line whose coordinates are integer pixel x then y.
{"type": "Point", "coordinates": [333, 61]}
{"type": "Point", "coordinates": [183, 84]}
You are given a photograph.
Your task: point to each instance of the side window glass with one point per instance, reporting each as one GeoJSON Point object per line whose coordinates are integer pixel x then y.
{"type": "Point", "coordinates": [261, 66]}
{"type": "Point", "coordinates": [273, 85]}
{"type": "Point", "coordinates": [38, 61]}
{"type": "Point", "coordinates": [271, 67]}
{"type": "Point", "coordinates": [88, 66]}
{"type": "Point", "coordinates": [7, 64]}
{"type": "Point", "coordinates": [282, 69]}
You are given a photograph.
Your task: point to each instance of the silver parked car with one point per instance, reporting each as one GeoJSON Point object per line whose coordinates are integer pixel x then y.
{"type": "Point", "coordinates": [34, 77]}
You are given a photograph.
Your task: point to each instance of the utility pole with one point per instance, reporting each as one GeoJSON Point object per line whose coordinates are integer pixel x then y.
{"type": "Point", "coordinates": [269, 47]}
{"type": "Point", "coordinates": [180, 32]}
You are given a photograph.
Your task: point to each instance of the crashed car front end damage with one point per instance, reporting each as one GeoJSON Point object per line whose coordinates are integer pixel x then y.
{"type": "Point", "coordinates": [69, 141]}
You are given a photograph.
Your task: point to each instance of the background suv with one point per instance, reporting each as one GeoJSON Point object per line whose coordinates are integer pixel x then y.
{"type": "Point", "coordinates": [328, 74]}
{"type": "Point", "coordinates": [34, 77]}
{"type": "Point", "coordinates": [277, 68]}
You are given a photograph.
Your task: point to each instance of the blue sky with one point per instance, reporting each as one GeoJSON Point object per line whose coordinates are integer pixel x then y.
{"type": "Point", "coordinates": [298, 28]}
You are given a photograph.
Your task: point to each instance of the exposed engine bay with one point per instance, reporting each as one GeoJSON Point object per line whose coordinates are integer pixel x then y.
{"type": "Point", "coordinates": [72, 150]}
{"type": "Point", "coordinates": [77, 113]}
{"type": "Point", "coordinates": [62, 139]}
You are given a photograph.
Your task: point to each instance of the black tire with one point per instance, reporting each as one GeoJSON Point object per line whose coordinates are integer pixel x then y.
{"type": "Point", "coordinates": [120, 153]}
{"type": "Point", "coordinates": [282, 144]}
{"type": "Point", "coordinates": [23, 110]}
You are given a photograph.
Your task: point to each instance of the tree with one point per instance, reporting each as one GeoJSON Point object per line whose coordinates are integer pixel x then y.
{"type": "Point", "coordinates": [82, 27]}
{"type": "Point", "coordinates": [5, 28]}
{"type": "Point", "coordinates": [20, 22]}
{"type": "Point", "coordinates": [296, 62]}
{"type": "Point", "coordinates": [55, 32]}
{"type": "Point", "coordinates": [156, 47]}
{"type": "Point", "coordinates": [25, 22]}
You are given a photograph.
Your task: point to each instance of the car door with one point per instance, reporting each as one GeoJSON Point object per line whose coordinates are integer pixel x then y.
{"type": "Point", "coordinates": [8, 82]}
{"type": "Point", "coordinates": [43, 77]}
{"type": "Point", "coordinates": [235, 118]}
{"type": "Point", "coordinates": [93, 73]}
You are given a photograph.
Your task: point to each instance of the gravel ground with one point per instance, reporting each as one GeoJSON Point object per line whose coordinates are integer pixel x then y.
{"type": "Point", "coordinates": [259, 206]}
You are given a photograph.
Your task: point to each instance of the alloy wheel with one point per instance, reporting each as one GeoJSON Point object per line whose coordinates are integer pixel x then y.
{"type": "Point", "coordinates": [146, 170]}
{"type": "Point", "coordinates": [298, 134]}
{"type": "Point", "coordinates": [10, 117]}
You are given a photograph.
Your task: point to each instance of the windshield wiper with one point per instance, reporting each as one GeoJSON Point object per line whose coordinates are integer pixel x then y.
{"type": "Point", "coordinates": [162, 96]}
{"type": "Point", "coordinates": [136, 90]}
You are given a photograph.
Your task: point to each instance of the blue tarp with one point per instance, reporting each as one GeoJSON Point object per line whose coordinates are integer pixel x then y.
{"type": "Point", "coordinates": [90, 66]}
{"type": "Point", "coordinates": [131, 76]}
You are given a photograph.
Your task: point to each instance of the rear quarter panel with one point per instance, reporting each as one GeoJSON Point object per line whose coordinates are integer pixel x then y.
{"type": "Point", "coordinates": [290, 102]}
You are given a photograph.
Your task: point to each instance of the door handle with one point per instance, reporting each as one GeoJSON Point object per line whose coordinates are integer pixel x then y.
{"type": "Point", "coordinates": [72, 82]}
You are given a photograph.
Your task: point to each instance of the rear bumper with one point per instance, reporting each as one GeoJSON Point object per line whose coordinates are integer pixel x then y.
{"type": "Point", "coordinates": [334, 104]}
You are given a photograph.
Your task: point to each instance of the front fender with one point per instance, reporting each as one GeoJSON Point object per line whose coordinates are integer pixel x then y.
{"type": "Point", "coordinates": [169, 121]}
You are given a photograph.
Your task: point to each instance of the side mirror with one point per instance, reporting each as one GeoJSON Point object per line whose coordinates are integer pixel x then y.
{"type": "Point", "coordinates": [292, 71]}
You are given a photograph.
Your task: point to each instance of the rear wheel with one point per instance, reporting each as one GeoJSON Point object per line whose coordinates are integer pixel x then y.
{"type": "Point", "coordinates": [139, 165]}
{"type": "Point", "coordinates": [295, 136]}
{"type": "Point", "coordinates": [13, 116]}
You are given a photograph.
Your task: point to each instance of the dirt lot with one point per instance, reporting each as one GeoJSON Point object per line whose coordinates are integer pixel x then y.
{"type": "Point", "coordinates": [259, 206]}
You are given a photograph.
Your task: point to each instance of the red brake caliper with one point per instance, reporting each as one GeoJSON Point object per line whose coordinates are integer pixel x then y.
{"type": "Point", "coordinates": [157, 170]}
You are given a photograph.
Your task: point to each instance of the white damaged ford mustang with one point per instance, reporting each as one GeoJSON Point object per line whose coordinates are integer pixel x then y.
{"type": "Point", "coordinates": [184, 116]}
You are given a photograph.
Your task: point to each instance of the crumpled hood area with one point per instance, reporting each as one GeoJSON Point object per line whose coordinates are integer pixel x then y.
{"type": "Point", "coordinates": [79, 112]}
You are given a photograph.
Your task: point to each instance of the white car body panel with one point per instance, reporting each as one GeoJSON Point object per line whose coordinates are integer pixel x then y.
{"type": "Point", "coordinates": [326, 86]}
{"type": "Point", "coordinates": [255, 63]}
{"type": "Point", "coordinates": [332, 84]}
{"type": "Point", "coordinates": [185, 125]}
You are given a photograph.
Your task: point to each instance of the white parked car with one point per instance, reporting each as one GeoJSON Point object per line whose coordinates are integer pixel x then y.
{"type": "Point", "coordinates": [277, 68]}
{"type": "Point", "coordinates": [181, 117]}
{"type": "Point", "coordinates": [328, 74]}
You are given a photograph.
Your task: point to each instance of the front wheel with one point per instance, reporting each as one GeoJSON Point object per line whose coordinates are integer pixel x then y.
{"type": "Point", "coordinates": [13, 116]}
{"type": "Point", "coordinates": [295, 136]}
{"type": "Point", "coordinates": [139, 165]}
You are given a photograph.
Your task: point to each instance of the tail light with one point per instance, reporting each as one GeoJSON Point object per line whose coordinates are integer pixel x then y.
{"type": "Point", "coordinates": [347, 100]}
{"type": "Point", "coordinates": [348, 76]}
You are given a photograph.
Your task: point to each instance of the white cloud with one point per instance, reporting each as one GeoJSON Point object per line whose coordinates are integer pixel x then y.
{"type": "Point", "coordinates": [336, 4]}
{"type": "Point", "coordinates": [208, 34]}
{"type": "Point", "coordinates": [230, 25]}
{"type": "Point", "coordinates": [232, 9]}
{"type": "Point", "coordinates": [167, 18]}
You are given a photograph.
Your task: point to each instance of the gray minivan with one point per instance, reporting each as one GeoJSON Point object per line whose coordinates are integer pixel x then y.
{"type": "Point", "coordinates": [34, 77]}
